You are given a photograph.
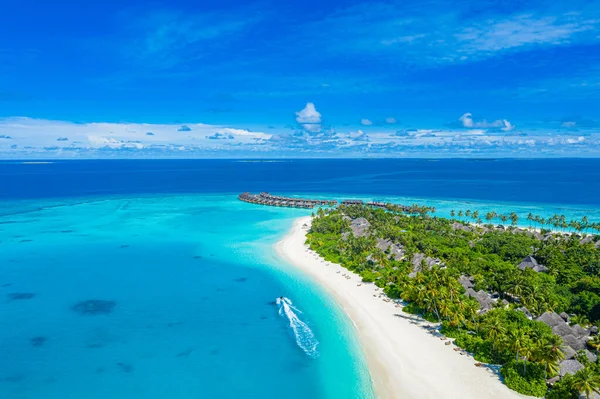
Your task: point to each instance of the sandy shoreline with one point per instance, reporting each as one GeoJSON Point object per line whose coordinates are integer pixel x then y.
{"type": "Point", "coordinates": [405, 361]}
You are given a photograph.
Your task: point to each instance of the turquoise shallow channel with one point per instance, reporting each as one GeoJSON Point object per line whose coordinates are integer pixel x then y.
{"type": "Point", "coordinates": [187, 286]}
{"type": "Point", "coordinates": [190, 282]}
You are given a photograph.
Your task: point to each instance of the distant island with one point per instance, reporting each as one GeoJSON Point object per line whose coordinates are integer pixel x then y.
{"type": "Point", "coordinates": [525, 299]}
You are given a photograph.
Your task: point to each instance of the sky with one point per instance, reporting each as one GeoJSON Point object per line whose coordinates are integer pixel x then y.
{"type": "Point", "coordinates": [268, 79]}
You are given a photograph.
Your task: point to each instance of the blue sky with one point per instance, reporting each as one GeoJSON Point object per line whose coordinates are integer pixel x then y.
{"type": "Point", "coordinates": [311, 78]}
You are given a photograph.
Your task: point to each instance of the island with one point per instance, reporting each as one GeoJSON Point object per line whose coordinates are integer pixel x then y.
{"type": "Point", "coordinates": [454, 308]}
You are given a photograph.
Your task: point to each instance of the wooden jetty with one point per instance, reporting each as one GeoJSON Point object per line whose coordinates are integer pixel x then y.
{"type": "Point", "coordinates": [265, 198]}
{"type": "Point", "coordinates": [379, 204]}
{"type": "Point", "coordinates": [352, 202]}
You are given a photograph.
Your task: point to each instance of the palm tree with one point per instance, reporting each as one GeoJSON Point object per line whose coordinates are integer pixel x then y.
{"type": "Point", "coordinates": [579, 319]}
{"type": "Point", "coordinates": [575, 225]}
{"type": "Point", "coordinates": [514, 218]}
{"type": "Point", "coordinates": [585, 223]}
{"type": "Point", "coordinates": [445, 309]}
{"type": "Point", "coordinates": [517, 286]}
{"type": "Point", "coordinates": [587, 382]}
{"type": "Point", "coordinates": [517, 341]}
{"type": "Point", "coordinates": [472, 310]}
{"type": "Point", "coordinates": [452, 213]}
{"type": "Point", "coordinates": [548, 352]}
{"type": "Point", "coordinates": [534, 299]}
{"type": "Point", "coordinates": [495, 330]}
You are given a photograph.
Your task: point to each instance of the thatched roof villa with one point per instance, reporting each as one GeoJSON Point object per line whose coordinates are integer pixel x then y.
{"type": "Point", "coordinates": [529, 262]}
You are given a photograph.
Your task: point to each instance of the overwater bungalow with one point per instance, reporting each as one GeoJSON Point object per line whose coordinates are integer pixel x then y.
{"type": "Point", "coordinates": [352, 202]}
{"type": "Point", "coordinates": [264, 198]}
{"type": "Point", "coordinates": [378, 204]}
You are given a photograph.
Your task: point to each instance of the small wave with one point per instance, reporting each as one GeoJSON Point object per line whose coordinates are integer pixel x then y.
{"type": "Point", "coordinates": [305, 338]}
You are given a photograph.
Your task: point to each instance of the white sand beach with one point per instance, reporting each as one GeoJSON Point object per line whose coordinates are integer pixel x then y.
{"type": "Point", "coordinates": [405, 360]}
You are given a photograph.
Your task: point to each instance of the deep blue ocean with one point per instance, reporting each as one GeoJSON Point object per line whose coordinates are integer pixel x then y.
{"type": "Point", "coordinates": [149, 279]}
{"type": "Point", "coordinates": [551, 181]}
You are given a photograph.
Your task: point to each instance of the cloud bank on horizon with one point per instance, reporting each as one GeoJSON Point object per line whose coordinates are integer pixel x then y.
{"type": "Point", "coordinates": [354, 78]}
{"type": "Point", "coordinates": [36, 138]}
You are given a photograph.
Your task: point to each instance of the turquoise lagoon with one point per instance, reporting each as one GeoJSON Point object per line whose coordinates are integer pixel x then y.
{"type": "Point", "coordinates": [194, 280]}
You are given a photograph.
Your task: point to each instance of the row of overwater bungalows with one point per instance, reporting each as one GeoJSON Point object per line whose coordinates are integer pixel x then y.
{"type": "Point", "coordinates": [265, 198]}
{"type": "Point", "coordinates": [289, 202]}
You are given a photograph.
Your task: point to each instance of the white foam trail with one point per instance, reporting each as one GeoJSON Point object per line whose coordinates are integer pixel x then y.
{"type": "Point", "coordinates": [305, 338]}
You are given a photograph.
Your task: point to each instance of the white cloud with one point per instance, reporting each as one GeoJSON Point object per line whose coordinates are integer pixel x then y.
{"type": "Point", "coordinates": [468, 122]}
{"type": "Point", "coordinates": [579, 139]}
{"type": "Point", "coordinates": [391, 120]}
{"type": "Point", "coordinates": [568, 124]}
{"type": "Point", "coordinates": [308, 115]}
{"type": "Point", "coordinates": [406, 30]}
{"type": "Point", "coordinates": [38, 138]}
{"type": "Point", "coordinates": [507, 127]}
{"type": "Point", "coordinates": [358, 135]}
{"type": "Point", "coordinates": [40, 133]}
{"type": "Point", "coordinates": [521, 30]}
{"type": "Point", "coordinates": [162, 39]}
{"type": "Point", "coordinates": [366, 122]}
{"type": "Point", "coordinates": [309, 118]}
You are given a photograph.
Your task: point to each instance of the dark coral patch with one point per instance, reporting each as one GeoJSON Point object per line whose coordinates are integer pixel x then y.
{"type": "Point", "coordinates": [20, 296]}
{"type": "Point", "coordinates": [94, 307]}
{"type": "Point", "coordinates": [126, 368]}
{"type": "Point", "coordinates": [240, 280]}
{"type": "Point", "coordinates": [185, 353]}
{"type": "Point", "coordinates": [38, 341]}
{"type": "Point", "coordinates": [124, 246]}
{"type": "Point", "coordinates": [13, 378]}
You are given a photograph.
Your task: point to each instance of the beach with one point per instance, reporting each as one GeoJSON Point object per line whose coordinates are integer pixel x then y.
{"type": "Point", "coordinates": [405, 359]}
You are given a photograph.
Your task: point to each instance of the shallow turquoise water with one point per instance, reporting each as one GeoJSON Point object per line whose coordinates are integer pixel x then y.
{"type": "Point", "coordinates": [194, 279]}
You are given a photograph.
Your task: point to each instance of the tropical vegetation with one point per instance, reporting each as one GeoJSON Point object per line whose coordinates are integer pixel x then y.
{"type": "Point", "coordinates": [527, 349]}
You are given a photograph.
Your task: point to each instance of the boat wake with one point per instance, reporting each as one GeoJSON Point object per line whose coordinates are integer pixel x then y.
{"type": "Point", "coordinates": [305, 338]}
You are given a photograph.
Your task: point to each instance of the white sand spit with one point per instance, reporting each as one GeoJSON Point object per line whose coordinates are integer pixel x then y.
{"type": "Point", "coordinates": [405, 360]}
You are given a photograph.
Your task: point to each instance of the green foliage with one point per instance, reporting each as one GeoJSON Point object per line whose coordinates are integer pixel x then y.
{"type": "Point", "coordinates": [525, 377]}
{"type": "Point", "coordinates": [587, 380]}
{"type": "Point", "coordinates": [490, 256]}
{"type": "Point", "coordinates": [563, 389]}
{"type": "Point", "coordinates": [411, 308]}
{"type": "Point", "coordinates": [510, 247]}
{"type": "Point", "coordinates": [450, 331]}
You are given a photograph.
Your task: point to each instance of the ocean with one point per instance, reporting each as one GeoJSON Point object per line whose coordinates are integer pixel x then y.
{"type": "Point", "coordinates": [149, 279]}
